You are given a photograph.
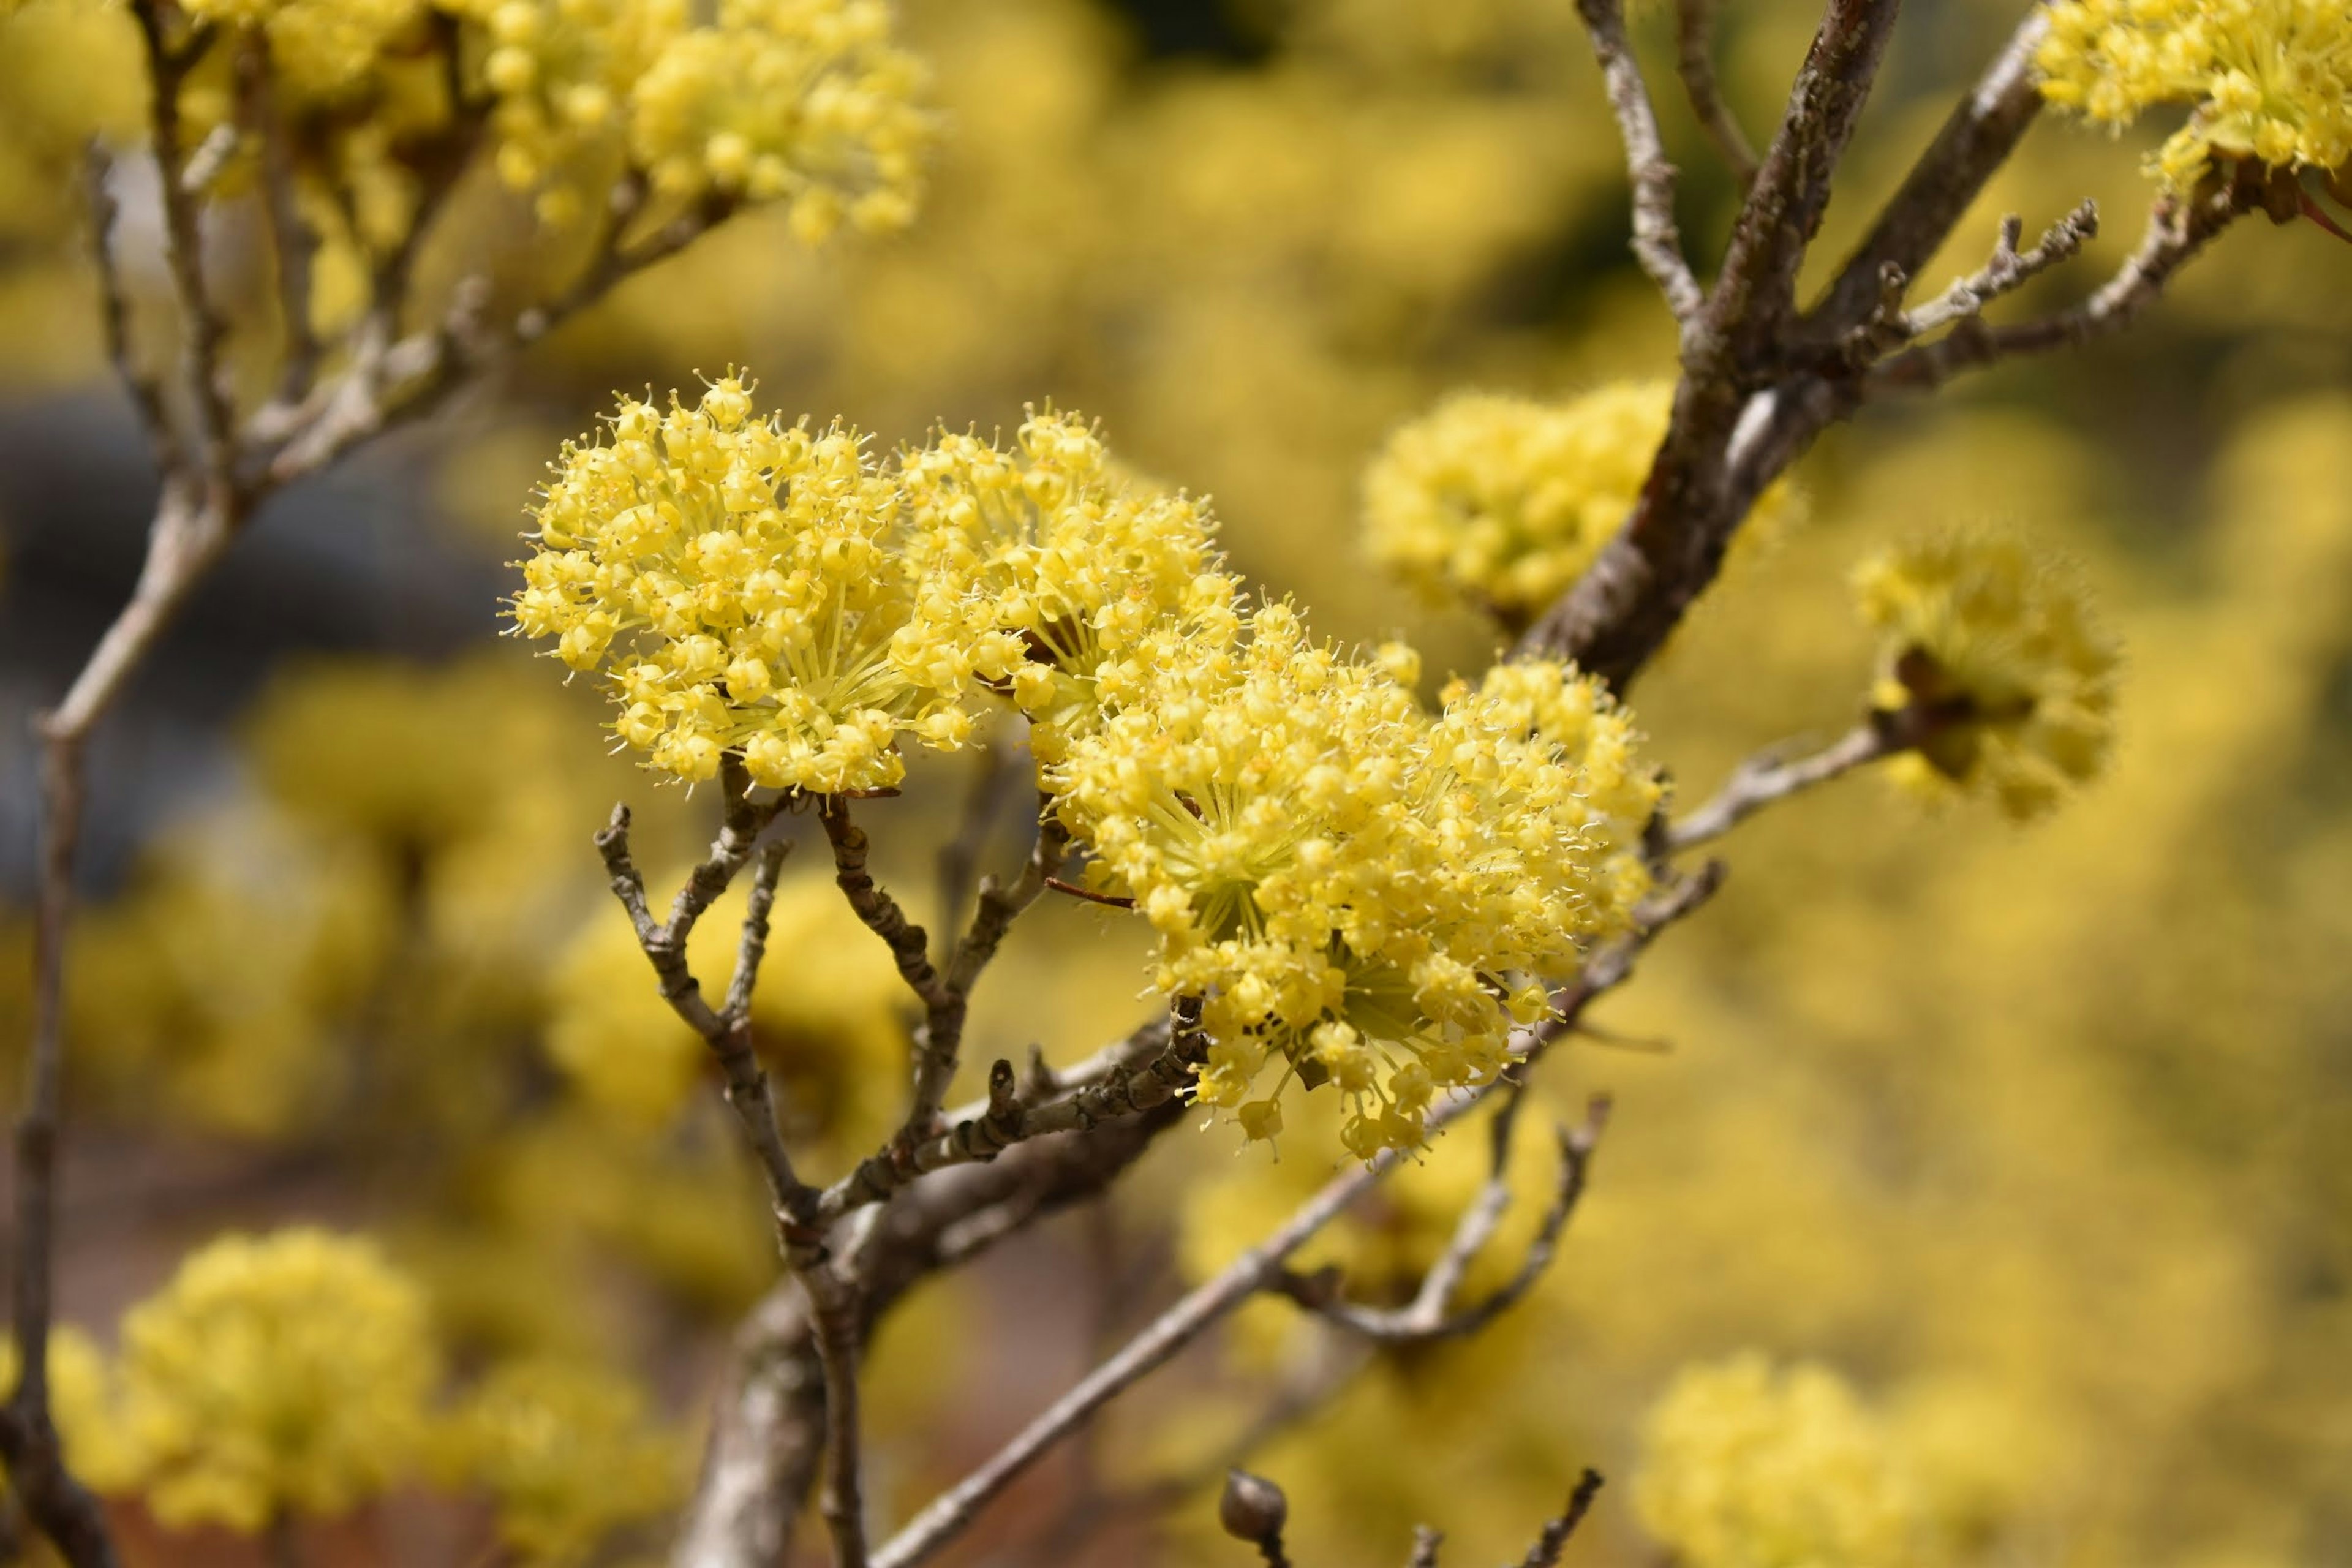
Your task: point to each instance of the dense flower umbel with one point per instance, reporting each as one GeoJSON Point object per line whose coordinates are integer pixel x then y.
{"type": "Point", "coordinates": [805, 101]}
{"type": "Point", "coordinates": [2265, 81]}
{"type": "Point", "coordinates": [564, 72]}
{"type": "Point", "coordinates": [1080, 563]}
{"type": "Point", "coordinates": [1746, 1466]}
{"type": "Point", "coordinates": [1997, 653]}
{"type": "Point", "coordinates": [748, 585]}
{"type": "Point", "coordinates": [276, 1375]}
{"type": "Point", "coordinates": [1505, 501]}
{"type": "Point", "coordinates": [1356, 892]}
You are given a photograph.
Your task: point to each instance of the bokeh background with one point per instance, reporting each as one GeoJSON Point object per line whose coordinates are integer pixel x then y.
{"type": "Point", "coordinates": [2034, 1138]}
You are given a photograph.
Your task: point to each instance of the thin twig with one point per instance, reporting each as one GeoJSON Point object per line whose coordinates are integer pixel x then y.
{"type": "Point", "coordinates": [1657, 241]}
{"type": "Point", "coordinates": [727, 1033]}
{"type": "Point", "coordinates": [1431, 1315]}
{"type": "Point", "coordinates": [292, 242]}
{"type": "Point", "coordinates": [1983, 129]}
{"type": "Point", "coordinates": [1546, 1552]}
{"type": "Point", "coordinates": [2176, 231]}
{"type": "Point", "coordinates": [1760, 781]}
{"type": "Point", "coordinates": [1695, 60]}
{"type": "Point", "coordinates": [114, 308]}
{"type": "Point", "coordinates": [1425, 1543]}
{"type": "Point", "coordinates": [838, 1334]}
{"type": "Point", "coordinates": [1890, 326]}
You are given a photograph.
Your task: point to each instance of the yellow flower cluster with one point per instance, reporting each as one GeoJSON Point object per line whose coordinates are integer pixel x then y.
{"type": "Point", "coordinates": [1996, 656]}
{"type": "Point", "coordinates": [322, 50]}
{"type": "Point", "coordinates": [1366, 893]}
{"type": "Point", "coordinates": [748, 584]}
{"type": "Point", "coordinates": [1505, 501]}
{"type": "Point", "coordinates": [287, 1372]}
{"type": "Point", "coordinates": [1744, 1466]}
{"type": "Point", "coordinates": [562, 72]}
{"type": "Point", "coordinates": [1343, 880]}
{"type": "Point", "coordinates": [1078, 562]}
{"type": "Point", "coordinates": [569, 1454]}
{"type": "Point", "coordinates": [805, 101]}
{"type": "Point", "coordinates": [2268, 81]}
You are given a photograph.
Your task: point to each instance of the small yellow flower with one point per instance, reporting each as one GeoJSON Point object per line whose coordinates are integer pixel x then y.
{"type": "Point", "coordinates": [276, 1375]}
{"type": "Point", "coordinates": [1997, 659]}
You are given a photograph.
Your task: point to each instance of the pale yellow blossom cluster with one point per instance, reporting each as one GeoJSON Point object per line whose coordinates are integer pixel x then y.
{"type": "Point", "coordinates": [1503, 501]}
{"type": "Point", "coordinates": [803, 101]}
{"type": "Point", "coordinates": [806, 103]}
{"type": "Point", "coordinates": [1357, 891]}
{"type": "Point", "coordinates": [1996, 659]}
{"type": "Point", "coordinates": [1745, 1465]}
{"type": "Point", "coordinates": [749, 587]}
{"type": "Point", "coordinates": [2268, 81]}
{"type": "Point", "coordinates": [568, 1453]}
{"type": "Point", "coordinates": [1077, 561]}
{"type": "Point", "coordinates": [277, 1375]}
{"type": "Point", "coordinates": [1347, 885]}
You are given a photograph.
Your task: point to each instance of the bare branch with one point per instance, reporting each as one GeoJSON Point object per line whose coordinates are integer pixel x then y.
{"type": "Point", "coordinates": [875, 906]}
{"type": "Point", "coordinates": [1982, 131]}
{"type": "Point", "coordinates": [1009, 1118]}
{"type": "Point", "coordinates": [1431, 1315]}
{"type": "Point", "coordinates": [1891, 326]}
{"type": "Point", "coordinates": [1425, 1543]}
{"type": "Point", "coordinates": [766, 866]}
{"type": "Point", "coordinates": [1695, 60]}
{"type": "Point", "coordinates": [1657, 242]}
{"type": "Point", "coordinates": [114, 308]}
{"type": "Point", "coordinates": [1546, 1552]}
{"type": "Point", "coordinates": [728, 1033]}
{"type": "Point", "coordinates": [65, 1511]}
{"type": "Point", "coordinates": [2176, 231]}
{"type": "Point", "coordinates": [839, 1333]}
{"type": "Point", "coordinates": [202, 329]}
{"type": "Point", "coordinates": [292, 243]}
{"type": "Point", "coordinates": [1761, 779]}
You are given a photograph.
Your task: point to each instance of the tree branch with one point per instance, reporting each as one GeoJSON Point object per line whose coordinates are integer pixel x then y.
{"type": "Point", "coordinates": [1694, 61]}
{"type": "Point", "coordinates": [1657, 242]}
{"type": "Point", "coordinates": [2176, 231]}
{"type": "Point", "coordinates": [1761, 779]}
{"type": "Point", "coordinates": [1431, 1315]}
{"type": "Point", "coordinates": [1982, 131]}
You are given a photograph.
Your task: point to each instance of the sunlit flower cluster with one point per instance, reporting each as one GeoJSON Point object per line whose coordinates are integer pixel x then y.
{"type": "Point", "coordinates": [1747, 1465]}
{"type": "Point", "coordinates": [805, 101]}
{"type": "Point", "coordinates": [2264, 80]}
{"type": "Point", "coordinates": [746, 586]}
{"type": "Point", "coordinates": [1079, 559]}
{"type": "Point", "coordinates": [567, 1451]}
{"type": "Point", "coordinates": [1358, 892]}
{"type": "Point", "coordinates": [562, 71]}
{"type": "Point", "coordinates": [1505, 501]}
{"type": "Point", "coordinates": [281, 1373]}
{"type": "Point", "coordinates": [1996, 659]}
